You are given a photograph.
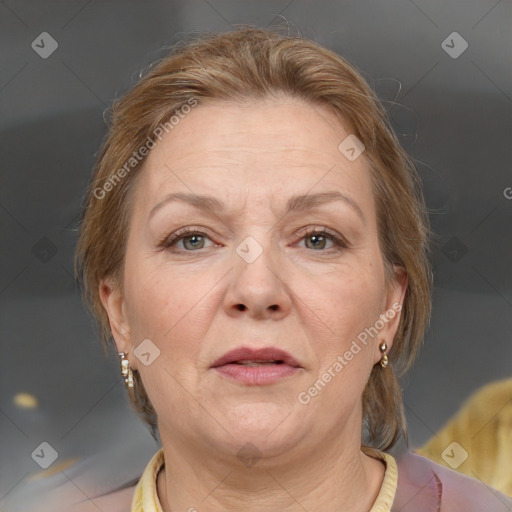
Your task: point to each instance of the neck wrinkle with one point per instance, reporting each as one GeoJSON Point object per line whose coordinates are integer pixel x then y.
{"type": "Point", "coordinates": [361, 501]}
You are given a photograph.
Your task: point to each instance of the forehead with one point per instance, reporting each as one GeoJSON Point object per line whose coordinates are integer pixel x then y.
{"type": "Point", "coordinates": [276, 146]}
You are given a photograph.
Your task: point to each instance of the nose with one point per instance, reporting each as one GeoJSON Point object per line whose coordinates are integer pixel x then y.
{"type": "Point", "coordinates": [257, 287]}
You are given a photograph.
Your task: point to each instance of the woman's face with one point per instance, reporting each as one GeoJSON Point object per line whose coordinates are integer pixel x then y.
{"type": "Point", "coordinates": [250, 274]}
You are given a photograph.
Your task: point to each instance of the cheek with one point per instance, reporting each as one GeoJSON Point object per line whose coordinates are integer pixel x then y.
{"type": "Point", "coordinates": [165, 308]}
{"type": "Point", "coordinates": [348, 303]}
{"type": "Point", "coordinates": [349, 300]}
{"type": "Point", "coordinates": [168, 307]}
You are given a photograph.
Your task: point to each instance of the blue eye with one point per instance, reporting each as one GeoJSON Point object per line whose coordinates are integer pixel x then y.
{"type": "Point", "coordinates": [320, 237]}
{"type": "Point", "coordinates": [195, 238]}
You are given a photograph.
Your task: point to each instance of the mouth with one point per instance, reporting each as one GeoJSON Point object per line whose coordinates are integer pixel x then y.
{"type": "Point", "coordinates": [256, 357]}
{"type": "Point", "coordinates": [256, 367]}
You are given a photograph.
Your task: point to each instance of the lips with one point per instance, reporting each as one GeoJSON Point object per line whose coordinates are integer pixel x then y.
{"type": "Point", "coordinates": [257, 367]}
{"type": "Point", "coordinates": [256, 357]}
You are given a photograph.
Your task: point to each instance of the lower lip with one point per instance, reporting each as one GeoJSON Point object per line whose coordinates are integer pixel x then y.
{"type": "Point", "coordinates": [257, 375]}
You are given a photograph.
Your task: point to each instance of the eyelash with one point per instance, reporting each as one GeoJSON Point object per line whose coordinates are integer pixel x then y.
{"type": "Point", "coordinates": [338, 242]}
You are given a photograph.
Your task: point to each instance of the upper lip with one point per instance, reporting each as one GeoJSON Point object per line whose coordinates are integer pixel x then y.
{"type": "Point", "coordinates": [259, 354]}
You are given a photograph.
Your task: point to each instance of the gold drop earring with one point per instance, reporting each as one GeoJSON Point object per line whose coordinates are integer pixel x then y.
{"type": "Point", "coordinates": [384, 359]}
{"type": "Point", "coordinates": [126, 371]}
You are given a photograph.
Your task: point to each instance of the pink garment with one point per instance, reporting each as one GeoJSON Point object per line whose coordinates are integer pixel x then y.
{"type": "Point", "coordinates": [425, 486]}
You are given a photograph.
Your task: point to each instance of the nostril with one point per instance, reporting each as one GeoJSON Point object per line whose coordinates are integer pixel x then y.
{"type": "Point", "coordinates": [240, 307]}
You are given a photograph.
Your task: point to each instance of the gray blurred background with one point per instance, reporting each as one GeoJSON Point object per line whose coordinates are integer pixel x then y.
{"type": "Point", "coordinates": [453, 114]}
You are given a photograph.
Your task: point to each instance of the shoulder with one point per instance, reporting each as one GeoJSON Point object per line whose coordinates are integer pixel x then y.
{"type": "Point", "coordinates": [425, 486]}
{"type": "Point", "coordinates": [489, 449]}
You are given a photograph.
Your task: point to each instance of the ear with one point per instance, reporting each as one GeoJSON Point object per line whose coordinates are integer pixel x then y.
{"type": "Point", "coordinates": [113, 302]}
{"type": "Point", "coordinates": [392, 311]}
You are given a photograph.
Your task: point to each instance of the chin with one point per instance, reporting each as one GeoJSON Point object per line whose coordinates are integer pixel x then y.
{"type": "Point", "coordinates": [254, 447]}
{"type": "Point", "coordinates": [268, 426]}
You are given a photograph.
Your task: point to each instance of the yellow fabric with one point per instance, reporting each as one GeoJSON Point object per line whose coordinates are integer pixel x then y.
{"type": "Point", "coordinates": [483, 429]}
{"type": "Point", "coordinates": [145, 498]}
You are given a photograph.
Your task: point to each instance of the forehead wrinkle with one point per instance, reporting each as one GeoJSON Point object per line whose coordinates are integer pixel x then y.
{"type": "Point", "coordinates": [296, 203]}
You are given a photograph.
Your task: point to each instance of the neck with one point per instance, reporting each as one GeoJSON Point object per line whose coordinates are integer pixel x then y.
{"type": "Point", "coordinates": [329, 478]}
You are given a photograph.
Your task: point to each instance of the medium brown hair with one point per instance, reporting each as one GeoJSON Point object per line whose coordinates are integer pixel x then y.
{"type": "Point", "coordinates": [252, 63]}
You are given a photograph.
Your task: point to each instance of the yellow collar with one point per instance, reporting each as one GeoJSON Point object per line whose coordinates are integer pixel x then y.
{"type": "Point", "coordinates": [145, 498]}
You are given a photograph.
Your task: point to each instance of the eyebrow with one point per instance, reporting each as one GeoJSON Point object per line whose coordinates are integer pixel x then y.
{"type": "Point", "coordinates": [294, 204]}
